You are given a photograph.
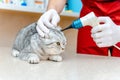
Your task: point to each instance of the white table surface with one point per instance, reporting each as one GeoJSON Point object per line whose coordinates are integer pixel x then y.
{"type": "Point", "coordinates": [73, 67]}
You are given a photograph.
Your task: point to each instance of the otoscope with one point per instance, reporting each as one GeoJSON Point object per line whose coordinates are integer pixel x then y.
{"type": "Point", "coordinates": [88, 20]}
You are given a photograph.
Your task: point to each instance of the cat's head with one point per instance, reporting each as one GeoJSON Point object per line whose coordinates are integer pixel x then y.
{"type": "Point", "coordinates": [55, 43]}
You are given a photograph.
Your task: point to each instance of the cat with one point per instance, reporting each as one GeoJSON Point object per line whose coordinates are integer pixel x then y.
{"type": "Point", "coordinates": [31, 47]}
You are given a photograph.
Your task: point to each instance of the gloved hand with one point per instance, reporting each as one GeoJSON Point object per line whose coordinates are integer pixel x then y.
{"type": "Point", "coordinates": [48, 20]}
{"type": "Point", "coordinates": [106, 34]}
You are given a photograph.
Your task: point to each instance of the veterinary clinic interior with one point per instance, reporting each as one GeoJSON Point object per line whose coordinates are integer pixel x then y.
{"type": "Point", "coordinates": [16, 14]}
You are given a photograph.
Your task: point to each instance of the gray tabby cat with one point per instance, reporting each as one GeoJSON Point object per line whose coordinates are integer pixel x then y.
{"type": "Point", "coordinates": [29, 46]}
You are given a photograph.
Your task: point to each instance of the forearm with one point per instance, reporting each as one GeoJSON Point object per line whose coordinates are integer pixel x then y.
{"type": "Point", "coordinates": [58, 5]}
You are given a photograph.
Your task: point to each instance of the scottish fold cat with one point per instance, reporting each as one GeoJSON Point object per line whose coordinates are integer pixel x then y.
{"type": "Point", "coordinates": [29, 46]}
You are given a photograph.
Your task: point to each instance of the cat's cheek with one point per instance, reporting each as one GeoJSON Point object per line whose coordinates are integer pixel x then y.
{"type": "Point", "coordinates": [52, 51]}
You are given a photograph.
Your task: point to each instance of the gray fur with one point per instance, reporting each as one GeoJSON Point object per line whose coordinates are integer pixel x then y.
{"type": "Point", "coordinates": [29, 46]}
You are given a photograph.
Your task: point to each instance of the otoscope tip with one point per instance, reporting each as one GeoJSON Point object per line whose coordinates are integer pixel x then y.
{"type": "Point", "coordinates": [69, 27]}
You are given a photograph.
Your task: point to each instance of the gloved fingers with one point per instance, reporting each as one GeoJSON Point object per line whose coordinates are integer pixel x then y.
{"type": "Point", "coordinates": [52, 18]}
{"type": "Point", "coordinates": [42, 27]}
{"type": "Point", "coordinates": [47, 22]}
{"type": "Point", "coordinates": [40, 32]}
{"type": "Point", "coordinates": [103, 44]}
{"type": "Point", "coordinates": [104, 24]}
{"type": "Point", "coordinates": [104, 19]}
{"type": "Point", "coordinates": [55, 20]}
{"type": "Point", "coordinates": [97, 35]}
{"type": "Point", "coordinates": [100, 42]}
{"type": "Point", "coordinates": [99, 28]}
{"type": "Point", "coordinates": [101, 34]}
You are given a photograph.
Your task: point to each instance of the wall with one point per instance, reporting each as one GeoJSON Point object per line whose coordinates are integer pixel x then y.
{"type": "Point", "coordinates": [12, 21]}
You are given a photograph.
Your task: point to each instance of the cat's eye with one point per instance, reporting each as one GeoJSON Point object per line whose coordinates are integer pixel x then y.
{"type": "Point", "coordinates": [58, 43]}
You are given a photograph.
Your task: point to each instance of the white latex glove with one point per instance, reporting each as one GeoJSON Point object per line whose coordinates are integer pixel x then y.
{"type": "Point", "coordinates": [106, 34]}
{"type": "Point", "coordinates": [48, 20]}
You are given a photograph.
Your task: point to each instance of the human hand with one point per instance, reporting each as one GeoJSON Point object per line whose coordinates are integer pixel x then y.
{"type": "Point", "coordinates": [48, 20]}
{"type": "Point", "coordinates": [106, 34]}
